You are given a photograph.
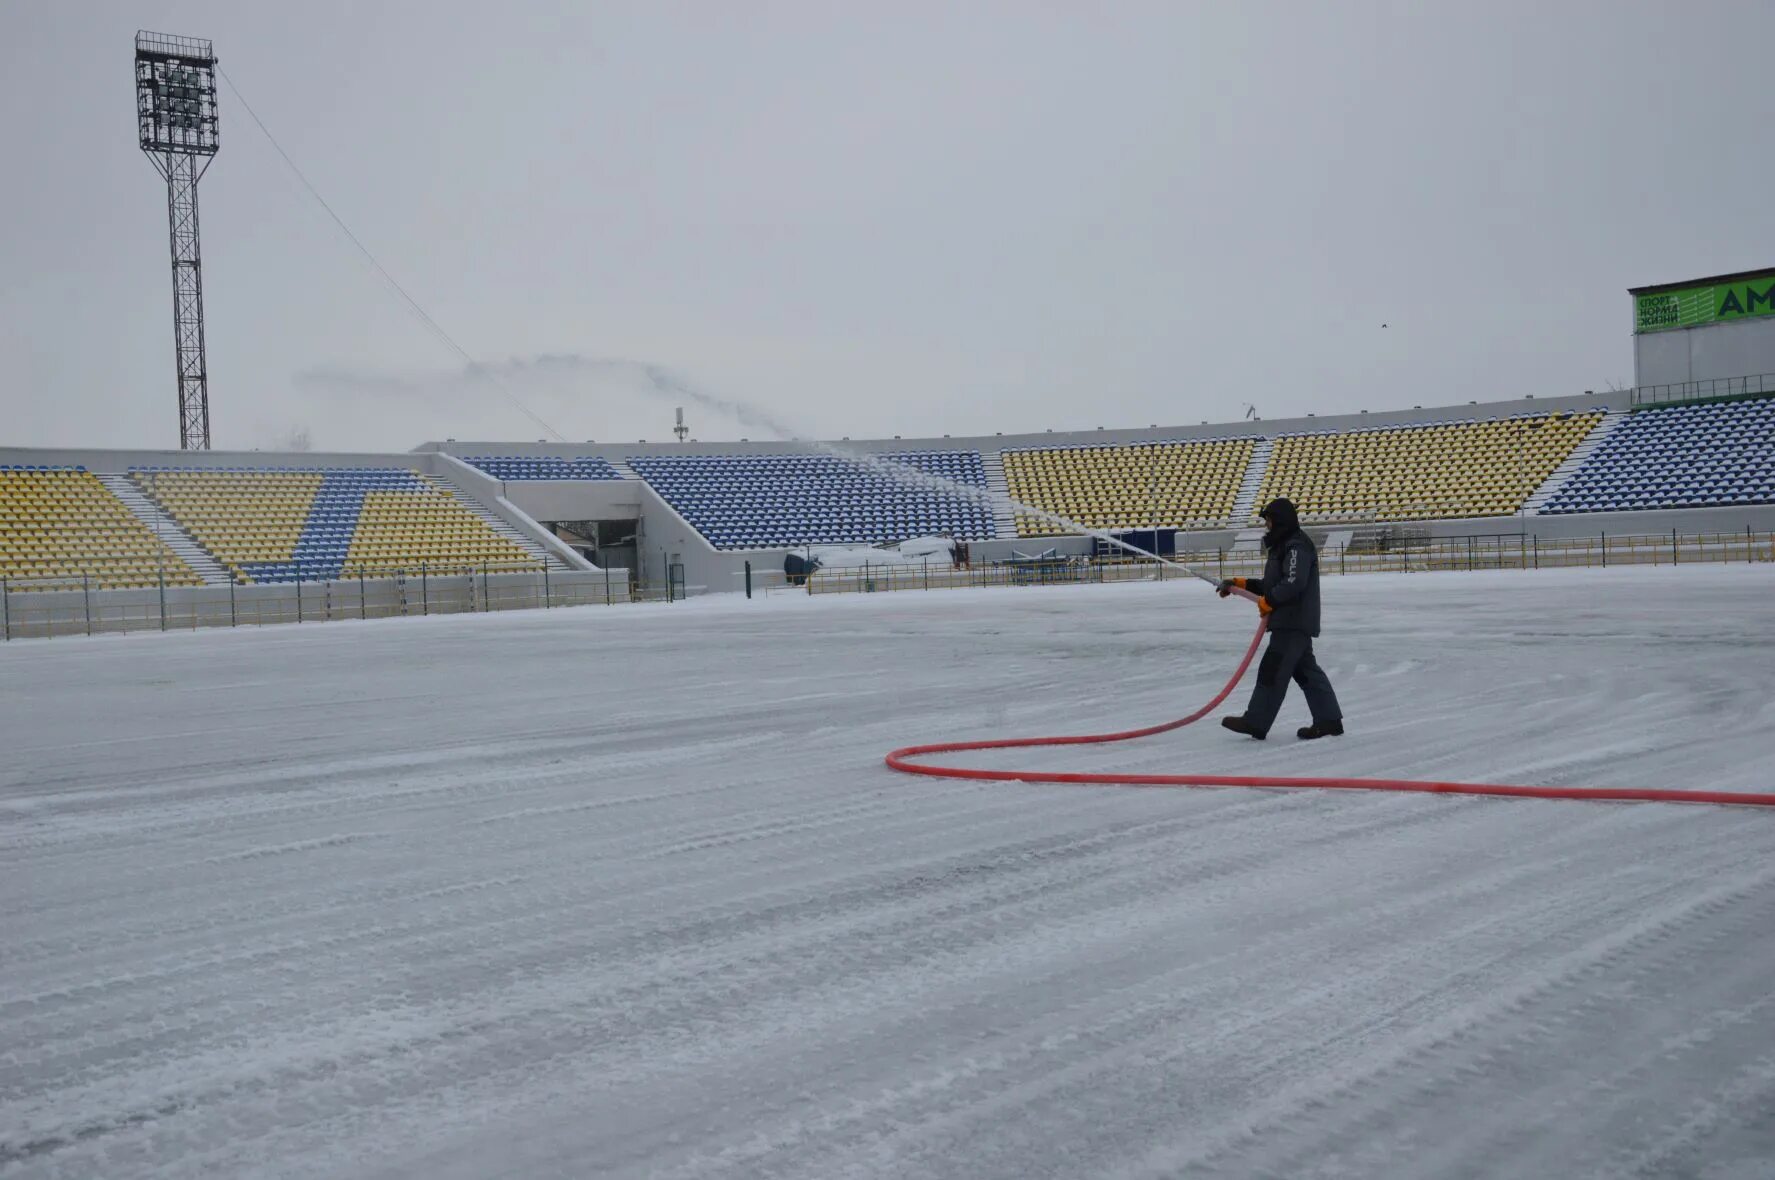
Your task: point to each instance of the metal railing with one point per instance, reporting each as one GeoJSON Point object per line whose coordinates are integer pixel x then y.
{"type": "Point", "coordinates": [77, 605]}
{"type": "Point", "coordinates": [191, 48]}
{"type": "Point", "coordinates": [1508, 551]}
{"type": "Point", "coordinates": [1717, 389]}
{"type": "Point", "coordinates": [44, 608]}
{"type": "Point", "coordinates": [1512, 551]}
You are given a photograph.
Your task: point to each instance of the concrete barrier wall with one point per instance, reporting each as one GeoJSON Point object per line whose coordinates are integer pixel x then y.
{"type": "Point", "coordinates": [490, 493]}
{"type": "Point", "coordinates": [663, 534]}
{"type": "Point", "coordinates": [119, 462]}
{"type": "Point", "coordinates": [573, 499]}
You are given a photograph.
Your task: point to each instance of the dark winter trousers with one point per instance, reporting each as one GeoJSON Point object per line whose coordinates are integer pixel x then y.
{"type": "Point", "coordinates": [1290, 657]}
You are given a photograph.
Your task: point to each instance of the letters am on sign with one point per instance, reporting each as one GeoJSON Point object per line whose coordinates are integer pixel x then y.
{"type": "Point", "coordinates": [1694, 306]}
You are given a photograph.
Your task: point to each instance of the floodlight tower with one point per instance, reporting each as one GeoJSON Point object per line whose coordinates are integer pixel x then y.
{"type": "Point", "coordinates": [176, 125]}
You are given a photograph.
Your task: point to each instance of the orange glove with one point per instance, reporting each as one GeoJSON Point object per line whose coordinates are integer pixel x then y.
{"type": "Point", "coordinates": [1226, 586]}
{"type": "Point", "coordinates": [1264, 608]}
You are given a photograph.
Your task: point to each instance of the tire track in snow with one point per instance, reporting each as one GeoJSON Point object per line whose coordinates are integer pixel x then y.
{"type": "Point", "coordinates": [1590, 959]}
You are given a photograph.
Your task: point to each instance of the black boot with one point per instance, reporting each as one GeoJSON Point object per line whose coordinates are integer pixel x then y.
{"type": "Point", "coordinates": [1319, 729]}
{"type": "Point", "coordinates": [1240, 725]}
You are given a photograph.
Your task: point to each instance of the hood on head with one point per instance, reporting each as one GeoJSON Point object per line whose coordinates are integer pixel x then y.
{"type": "Point", "coordinates": [1282, 518]}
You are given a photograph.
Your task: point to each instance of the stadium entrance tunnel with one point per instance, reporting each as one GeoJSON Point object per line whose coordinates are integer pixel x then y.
{"type": "Point", "coordinates": [609, 543]}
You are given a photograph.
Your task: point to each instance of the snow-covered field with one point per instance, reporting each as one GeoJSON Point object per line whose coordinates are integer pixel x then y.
{"type": "Point", "coordinates": [628, 892]}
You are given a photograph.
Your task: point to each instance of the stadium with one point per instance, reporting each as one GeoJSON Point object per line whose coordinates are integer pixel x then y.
{"type": "Point", "coordinates": [1663, 473]}
{"type": "Point", "coordinates": [507, 807]}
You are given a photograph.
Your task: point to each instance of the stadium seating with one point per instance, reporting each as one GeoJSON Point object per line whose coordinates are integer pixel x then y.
{"type": "Point", "coordinates": [522, 467]}
{"type": "Point", "coordinates": [1698, 456]}
{"type": "Point", "coordinates": [61, 525]}
{"type": "Point", "coordinates": [250, 521]}
{"type": "Point", "coordinates": [1170, 484]}
{"type": "Point", "coordinates": [401, 529]}
{"type": "Point", "coordinates": [749, 501]}
{"type": "Point", "coordinates": [1425, 471]}
{"type": "Point", "coordinates": [271, 525]}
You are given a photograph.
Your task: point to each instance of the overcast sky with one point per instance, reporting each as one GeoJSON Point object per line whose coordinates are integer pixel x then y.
{"type": "Point", "coordinates": [872, 219]}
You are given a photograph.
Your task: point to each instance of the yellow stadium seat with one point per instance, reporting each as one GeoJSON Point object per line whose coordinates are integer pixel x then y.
{"type": "Point", "coordinates": [255, 522]}
{"type": "Point", "coordinates": [1172, 484]}
{"type": "Point", "coordinates": [64, 524]}
{"type": "Point", "coordinates": [1456, 469]}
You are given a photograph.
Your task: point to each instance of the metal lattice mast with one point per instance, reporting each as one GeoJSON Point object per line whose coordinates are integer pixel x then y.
{"type": "Point", "coordinates": [177, 128]}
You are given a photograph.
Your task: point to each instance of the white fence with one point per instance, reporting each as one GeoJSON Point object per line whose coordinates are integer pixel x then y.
{"type": "Point", "coordinates": [45, 608]}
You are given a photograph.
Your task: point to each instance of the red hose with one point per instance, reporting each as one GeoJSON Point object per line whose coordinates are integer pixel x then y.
{"type": "Point", "coordinates": [900, 760]}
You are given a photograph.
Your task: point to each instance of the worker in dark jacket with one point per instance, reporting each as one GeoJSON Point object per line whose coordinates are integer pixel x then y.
{"type": "Point", "coordinates": [1288, 596]}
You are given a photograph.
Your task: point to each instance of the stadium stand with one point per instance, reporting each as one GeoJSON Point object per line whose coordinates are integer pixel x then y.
{"type": "Point", "coordinates": [1440, 470]}
{"type": "Point", "coordinates": [1693, 456]}
{"type": "Point", "coordinates": [249, 520]}
{"type": "Point", "coordinates": [517, 467]}
{"type": "Point", "coordinates": [748, 501]}
{"type": "Point", "coordinates": [62, 524]}
{"type": "Point", "coordinates": [400, 529]}
{"type": "Point", "coordinates": [1171, 484]}
{"type": "Point", "coordinates": [270, 525]}
{"type": "Point", "coordinates": [278, 523]}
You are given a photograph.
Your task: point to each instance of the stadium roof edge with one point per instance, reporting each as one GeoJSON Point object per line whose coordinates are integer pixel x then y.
{"type": "Point", "coordinates": [119, 459]}
{"type": "Point", "coordinates": [1743, 276]}
{"type": "Point", "coordinates": [1262, 428]}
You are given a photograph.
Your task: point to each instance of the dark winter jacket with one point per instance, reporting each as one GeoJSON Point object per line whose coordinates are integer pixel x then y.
{"type": "Point", "coordinates": [1290, 572]}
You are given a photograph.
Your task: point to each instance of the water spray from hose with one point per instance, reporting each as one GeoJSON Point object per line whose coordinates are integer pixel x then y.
{"type": "Point", "coordinates": [671, 386]}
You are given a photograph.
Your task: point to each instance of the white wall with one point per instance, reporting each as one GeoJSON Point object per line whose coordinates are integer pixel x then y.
{"type": "Point", "coordinates": [118, 462]}
{"type": "Point", "coordinates": [566, 499]}
{"type": "Point", "coordinates": [1736, 348]}
{"type": "Point", "coordinates": [489, 492]}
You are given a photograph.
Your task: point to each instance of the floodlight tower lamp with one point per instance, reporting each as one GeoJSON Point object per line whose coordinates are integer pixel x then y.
{"type": "Point", "coordinates": [177, 128]}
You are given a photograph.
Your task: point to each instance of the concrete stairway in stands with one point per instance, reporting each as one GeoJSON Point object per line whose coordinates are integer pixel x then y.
{"type": "Point", "coordinates": [167, 529]}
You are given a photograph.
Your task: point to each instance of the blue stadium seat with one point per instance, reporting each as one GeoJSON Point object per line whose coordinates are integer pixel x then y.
{"type": "Point", "coordinates": [1696, 456]}
{"type": "Point", "coordinates": [530, 467]}
{"type": "Point", "coordinates": [773, 501]}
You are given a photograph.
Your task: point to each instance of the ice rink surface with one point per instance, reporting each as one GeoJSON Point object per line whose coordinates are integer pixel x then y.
{"type": "Point", "coordinates": [628, 892]}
